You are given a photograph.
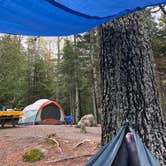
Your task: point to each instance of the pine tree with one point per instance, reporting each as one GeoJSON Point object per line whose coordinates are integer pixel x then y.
{"type": "Point", "coordinates": [40, 71]}
{"type": "Point", "coordinates": [12, 70]}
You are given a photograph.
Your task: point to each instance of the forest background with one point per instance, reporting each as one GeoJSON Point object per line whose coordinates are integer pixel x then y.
{"type": "Point", "coordinates": [28, 72]}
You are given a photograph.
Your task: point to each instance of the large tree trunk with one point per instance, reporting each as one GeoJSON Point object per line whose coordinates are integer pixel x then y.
{"type": "Point", "coordinates": [128, 83]}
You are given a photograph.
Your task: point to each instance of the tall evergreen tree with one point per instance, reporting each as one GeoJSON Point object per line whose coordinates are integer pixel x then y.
{"type": "Point", "coordinates": [158, 35]}
{"type": "Point", "coordinates": [40, 72]}
{"type": "Point", "coordinates": [88, 45]}
{"type": "Point", "coordinates": [75, 75]}
{"type": "Point", "coordinates": [12, 70]}
{"type": "Point", "coordinates": [66, 78]}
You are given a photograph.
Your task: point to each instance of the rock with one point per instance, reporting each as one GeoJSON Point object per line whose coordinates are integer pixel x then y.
{"type": "Point", "coordinates": [87, 121]}
{"type": "Point", "coordinates": [83, 128]}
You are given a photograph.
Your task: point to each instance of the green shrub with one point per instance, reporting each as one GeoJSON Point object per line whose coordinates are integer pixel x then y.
{"type": "Point", "coordinates": [33, 155]}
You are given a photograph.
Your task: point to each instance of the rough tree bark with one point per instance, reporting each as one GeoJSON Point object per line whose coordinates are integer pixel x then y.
{"type": "Point", "coordinates": [128, 82]}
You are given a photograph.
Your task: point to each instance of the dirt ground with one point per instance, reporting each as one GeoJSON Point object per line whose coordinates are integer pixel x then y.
{"type": "Point", "coordinates": [58, 142]}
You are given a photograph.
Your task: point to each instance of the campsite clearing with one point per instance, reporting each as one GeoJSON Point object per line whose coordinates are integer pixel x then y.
{"type": "Point", "coordinates": [58, 142]}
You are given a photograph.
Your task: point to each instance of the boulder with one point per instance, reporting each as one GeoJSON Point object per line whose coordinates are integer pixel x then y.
{"type": "Point", "coordinates": [87, 120]}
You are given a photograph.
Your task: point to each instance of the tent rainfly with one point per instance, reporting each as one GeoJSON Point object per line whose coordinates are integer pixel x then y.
{"type": "Point", "coordinates": [43, 111]}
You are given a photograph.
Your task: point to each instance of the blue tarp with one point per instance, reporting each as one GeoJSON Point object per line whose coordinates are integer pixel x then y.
{"type": "Point", "coordinates": [107, 155]}
{"type": "Point", "coordinates": [63, 17]}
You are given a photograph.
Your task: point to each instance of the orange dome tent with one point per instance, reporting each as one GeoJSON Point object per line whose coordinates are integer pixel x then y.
{"type": "Point", "coordinates": [43, 111]}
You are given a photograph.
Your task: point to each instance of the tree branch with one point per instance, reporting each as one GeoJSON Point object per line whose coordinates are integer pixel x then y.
{"type": "Point", "coordinates": [162, 7]}
{"type": "Point", "coordinates": [69, 158]}
{"type": "Point", "coordinates": [154, 10]}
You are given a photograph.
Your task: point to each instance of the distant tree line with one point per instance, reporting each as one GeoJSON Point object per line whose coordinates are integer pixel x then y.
{"type": "Point", "coordinates": [159, 48]}
{"type": "Point", "coordinates": [27, 72]}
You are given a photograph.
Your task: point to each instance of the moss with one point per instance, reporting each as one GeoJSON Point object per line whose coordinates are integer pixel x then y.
{"type": "Point", "coordinates": [33, 155]}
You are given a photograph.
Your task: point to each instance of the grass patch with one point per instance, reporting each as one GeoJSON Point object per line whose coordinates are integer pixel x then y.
{"type": "Point", "coordinates": [33, 155]}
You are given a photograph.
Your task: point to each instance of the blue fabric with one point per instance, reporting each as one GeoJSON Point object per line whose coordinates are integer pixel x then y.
{"type": "Point", "coordinates": [144, 155]}
{"type": "Point", "coordinates": [108, 153]}
{"type": "Point", "coordinates": [62, 17]}
{"type": "Point", "coordinates": [105, 8]}
{"type": "Point", "coordinates": [3, 108]}
{"type": "Point", "coordinates": [68, 119]}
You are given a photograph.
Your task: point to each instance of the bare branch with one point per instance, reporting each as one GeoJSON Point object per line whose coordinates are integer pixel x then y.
{"type": "Point", "coordinates": [69, 158]}
{"type": "Point", "coordinates": [162, 7]}
{"type": "Point", "coordinates": [155, 9]}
